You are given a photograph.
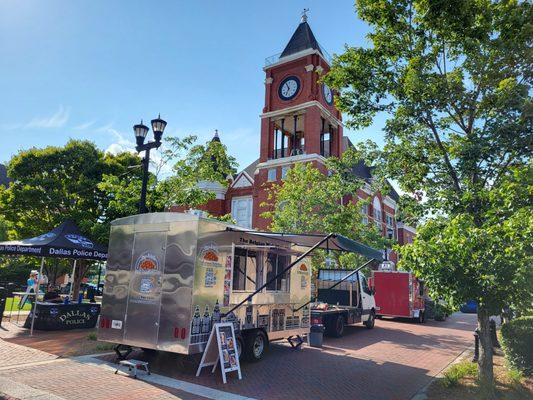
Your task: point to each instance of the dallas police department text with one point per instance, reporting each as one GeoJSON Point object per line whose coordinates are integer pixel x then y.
{"type": "Point", "coordinates": [54, 251]}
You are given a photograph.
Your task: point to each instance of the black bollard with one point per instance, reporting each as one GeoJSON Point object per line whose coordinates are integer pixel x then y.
{"type": "Point", "coordinates": [476, 346]}
{"type": "Point", "coordinates": [493, 336]}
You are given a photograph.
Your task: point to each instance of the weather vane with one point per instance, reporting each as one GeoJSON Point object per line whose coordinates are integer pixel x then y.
{"type": "Point", "coordinates": [304, 14]}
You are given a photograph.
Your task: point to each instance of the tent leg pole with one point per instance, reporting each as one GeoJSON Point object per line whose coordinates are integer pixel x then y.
{"type": "Point", "coordinates": [72, 283]}
{"type": "Point", "coordinates": [36, 296]}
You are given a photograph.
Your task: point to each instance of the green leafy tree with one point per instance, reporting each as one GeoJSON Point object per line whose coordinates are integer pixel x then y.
{"type": "Point", "coordinates": [202, 163]}
{"type": "Point", "coordinates": [309, 201]}
{"type": "Point", "coordinates": [53, 184]}
{"type": "Point", "coordinates": [454, 78]}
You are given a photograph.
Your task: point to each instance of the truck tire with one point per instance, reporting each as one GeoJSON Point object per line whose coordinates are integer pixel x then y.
{"type": "Point", "coordinates": [371, 321]}
{"type": "Point", "coordinates": [255, 345]}
{"type": "Point", "coordinates": [335, 327]}
{"type": "Point", "coordinates": [420, 318]}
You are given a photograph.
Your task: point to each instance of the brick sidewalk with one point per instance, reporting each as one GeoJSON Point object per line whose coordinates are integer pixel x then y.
{"type": "Point", "coordinates": [72, 380]}
{"type": "Point", "coordinates": [392, 361]}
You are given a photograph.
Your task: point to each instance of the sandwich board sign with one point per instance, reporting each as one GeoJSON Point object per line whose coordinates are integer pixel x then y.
{"type": "Point", "coordinates": [222, 345]}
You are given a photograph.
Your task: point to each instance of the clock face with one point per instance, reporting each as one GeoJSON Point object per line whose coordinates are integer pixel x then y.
{"type": "Point", "coordinates": [289, 88]}
{"type": "Point", "coordinates": [328, 94]}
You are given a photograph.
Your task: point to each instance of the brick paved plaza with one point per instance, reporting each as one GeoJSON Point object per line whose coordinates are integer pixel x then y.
{"type": "Point", "coordinates": [393, 361]}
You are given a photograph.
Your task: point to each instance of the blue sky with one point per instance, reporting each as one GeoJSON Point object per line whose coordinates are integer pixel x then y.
{"type": "Point", "coordinates": [91, 69]}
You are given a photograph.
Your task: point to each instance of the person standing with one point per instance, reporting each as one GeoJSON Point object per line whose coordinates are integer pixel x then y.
{"type": "Point", "coordinates": [32, 284]}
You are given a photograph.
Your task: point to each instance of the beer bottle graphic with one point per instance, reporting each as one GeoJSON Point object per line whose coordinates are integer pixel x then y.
{"type": "Point", "coordinates": [206, 320]}
{"type": "Point", "coordinates": [216, 313]}
{"type": "Point", "coordinates": [196, 321]}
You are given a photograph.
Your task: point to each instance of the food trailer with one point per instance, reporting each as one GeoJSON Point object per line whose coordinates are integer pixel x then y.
{"type": "Point", "coordinates": [171, 276]}
{"type": "Point", "coordinates": [399, 294]}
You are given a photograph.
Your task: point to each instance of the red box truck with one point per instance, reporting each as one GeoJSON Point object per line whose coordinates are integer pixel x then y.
{"type": "Point", "coordinates": [398, 294]}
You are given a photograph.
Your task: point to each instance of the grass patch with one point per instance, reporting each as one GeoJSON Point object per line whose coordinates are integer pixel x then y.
{"type": "Point", "coordinates": [104, 346]}
{"type": "Point", "coordinates": [91, 336]}
{"type": "Point", "coordinates": [509, 383]}
{"type": "Point", "coordinates": [458, 371]}
{"type": "Point", "coordinates": [515, 376]}
{"type": "Point", "coordinates": [9, 302]}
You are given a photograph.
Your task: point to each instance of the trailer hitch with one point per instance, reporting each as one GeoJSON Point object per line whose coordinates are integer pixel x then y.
{"type": "Point", "coordinates": [126, 350]}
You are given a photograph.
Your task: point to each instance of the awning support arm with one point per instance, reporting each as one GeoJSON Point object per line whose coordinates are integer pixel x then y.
{"type": "Point", "coordinates": [342, 280]}
{"type": "Point", "coordinates": [300, 258]}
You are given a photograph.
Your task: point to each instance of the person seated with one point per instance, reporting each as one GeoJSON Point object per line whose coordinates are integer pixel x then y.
{"type": "Point", "coordinates": [52, 296]}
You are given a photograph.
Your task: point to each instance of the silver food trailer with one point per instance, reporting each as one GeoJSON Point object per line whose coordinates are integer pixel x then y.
{"type": "Point", "coordinates": [171, 276]}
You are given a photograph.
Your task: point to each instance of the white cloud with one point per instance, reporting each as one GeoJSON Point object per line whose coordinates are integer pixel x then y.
{"type": "Point", "coordinates": [57, 120]}
{"type": "Point", "coordinates": [85, 125]}
{"type": "Point", "coordinates": [120, 143]}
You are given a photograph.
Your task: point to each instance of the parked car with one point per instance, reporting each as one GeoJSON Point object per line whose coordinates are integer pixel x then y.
{"type": "Point", "coordinates": [470, 307]}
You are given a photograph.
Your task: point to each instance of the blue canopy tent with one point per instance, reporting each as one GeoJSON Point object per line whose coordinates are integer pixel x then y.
{"type": "Point", "coordinates": [64, 241]}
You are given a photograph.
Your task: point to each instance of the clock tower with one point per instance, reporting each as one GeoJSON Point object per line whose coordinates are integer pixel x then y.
{"type": "Point", "coordinates": [299, 122]}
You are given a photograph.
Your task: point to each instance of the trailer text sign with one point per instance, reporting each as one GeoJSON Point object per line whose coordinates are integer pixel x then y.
{"type": "Point", "coordinates": [222, 345]}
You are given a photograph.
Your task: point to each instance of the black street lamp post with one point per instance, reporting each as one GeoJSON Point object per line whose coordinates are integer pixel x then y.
{"type": "Point", "coordinates": [140, 130]}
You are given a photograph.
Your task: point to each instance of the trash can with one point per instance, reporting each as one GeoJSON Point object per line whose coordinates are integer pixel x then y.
{"type": "Point", "coordinates": [3, 298]}
{"type": "Point", "coordinates": [316, 335]}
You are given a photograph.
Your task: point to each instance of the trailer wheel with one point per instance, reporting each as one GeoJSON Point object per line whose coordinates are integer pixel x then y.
{"type": "Point", "coordinates": [371, 321]}
{"type": "Point", "coordinates": [336, 327]}
{"type": "Point", "coordinates": [240, 346]}
{"type": "Point", "coordinates": [255, 345]}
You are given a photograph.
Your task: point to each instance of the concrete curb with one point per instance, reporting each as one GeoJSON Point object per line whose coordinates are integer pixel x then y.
{"type": "Point", "coordinates": [422, 393]}
{"type": "Point", "coordinates": [193, 388]}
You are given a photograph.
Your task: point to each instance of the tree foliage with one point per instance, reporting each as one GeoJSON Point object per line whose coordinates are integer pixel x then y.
{"type": "Point", "coordinates": [207, 162]}
{"type": "Point", "coordinates": [454, 78]}
{"type": "Point", "coordinates": [309, 201]}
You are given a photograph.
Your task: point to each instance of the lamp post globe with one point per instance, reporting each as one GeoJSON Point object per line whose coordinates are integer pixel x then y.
{"type": "Point", "coordinates": [158, 126]}
{"type": "Point", "coordinates": [140, 131]}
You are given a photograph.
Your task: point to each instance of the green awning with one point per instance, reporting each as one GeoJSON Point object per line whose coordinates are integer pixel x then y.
{"type": "Point", "coordinates": [334, 242]}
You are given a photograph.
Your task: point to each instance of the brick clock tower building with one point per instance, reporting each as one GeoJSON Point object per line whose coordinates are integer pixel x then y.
{"type": "Point", "coordinates": [299, 123]}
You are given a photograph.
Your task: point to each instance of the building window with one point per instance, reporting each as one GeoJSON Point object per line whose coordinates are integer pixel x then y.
{"type": "Point", "coordinates": [389, 219]}
{"type": "Point", "coordinates": [245, 270]}
{"type": "Point", "coordinates": [364, 214]}
{"type": "Point", "coordinates": [376, 213]}
{"type": "Point", "coordinates": [284, 171]}
{"type": "Point", "coordinates": [272, 174]}
{"type": "Point", "coordinates": [241, 211]}
{"type": "Point", "coordinates": [325, 144]}
{"type": "Point", "coordinates": [275, 263]}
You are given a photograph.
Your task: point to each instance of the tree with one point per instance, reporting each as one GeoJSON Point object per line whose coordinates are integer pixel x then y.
{"type": "Point", "coordinates": [202, 163]}
{"type": "Point", "coordinates": [53, 184]}
{"type": "Point", "coordinates": [308, 201]}
{"type": "Point", "coordinates": [454, 78]}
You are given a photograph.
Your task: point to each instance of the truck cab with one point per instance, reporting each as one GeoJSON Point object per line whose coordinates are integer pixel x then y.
{"type": "Point", "coordinates": [342, 300]}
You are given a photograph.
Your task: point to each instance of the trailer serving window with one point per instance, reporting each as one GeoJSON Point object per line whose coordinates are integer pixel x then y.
{"type": "Point", "coordinates": [245, 268]}
{"type": "Point", "coordinates": [275, 263]}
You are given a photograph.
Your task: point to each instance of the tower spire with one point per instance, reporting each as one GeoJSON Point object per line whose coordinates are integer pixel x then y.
{"type": "Point", "coordinates": [304, 15]}
{"type": "Point", "coordinates": [215, 137]}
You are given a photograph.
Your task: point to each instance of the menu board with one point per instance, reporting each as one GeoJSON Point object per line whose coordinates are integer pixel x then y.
{"type": "Point", "coordinates": [221, 346]}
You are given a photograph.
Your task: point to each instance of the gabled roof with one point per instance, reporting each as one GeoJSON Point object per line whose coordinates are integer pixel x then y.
{"type": "Point", "coordinates": [302, 39]}
{"type": "Point", "coordinates": [250, 169]}
{"type": "Point", "coordinates": [363, 171]}
{"type": "Point", "coordinates": [4, 180]}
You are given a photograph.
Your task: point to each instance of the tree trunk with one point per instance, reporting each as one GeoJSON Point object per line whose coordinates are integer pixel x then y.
{"type": "Point", "coordinates": [485, 366]}
{"type": "Point", "coordinates": [81, 269]}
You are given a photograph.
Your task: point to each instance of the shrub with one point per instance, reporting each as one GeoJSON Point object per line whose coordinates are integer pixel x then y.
{"type": "Point", "coordinates": [517, 340]}
{"type": "Point", "coordinates": [440, 312]}
{"type": "Point", "coordinates": [457, 371]}
{"type": "Point", "coordinates": [91, 336]}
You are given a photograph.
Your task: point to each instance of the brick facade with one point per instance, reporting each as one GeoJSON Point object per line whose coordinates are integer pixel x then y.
{"type": "Point", "coordinates": [311, 128]}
